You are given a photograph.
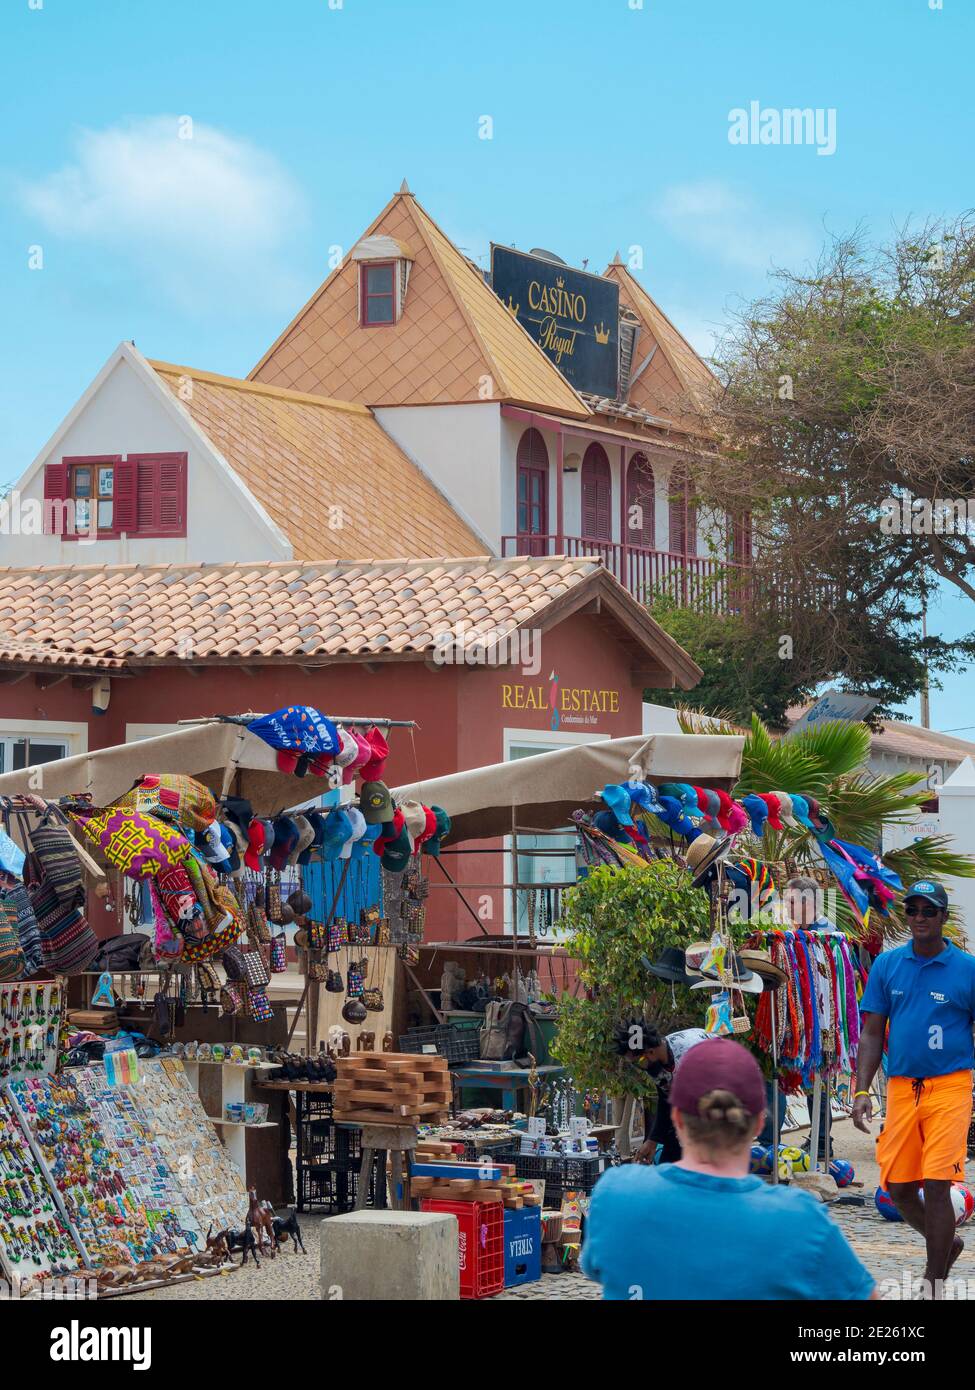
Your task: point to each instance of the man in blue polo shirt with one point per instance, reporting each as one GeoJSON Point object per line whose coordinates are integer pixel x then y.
{"type": "Point", "coordinates": [926, 991]}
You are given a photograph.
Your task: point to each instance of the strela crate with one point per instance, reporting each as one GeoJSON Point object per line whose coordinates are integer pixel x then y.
{"type": "Point", "coordinates": [480, 1244]}
{"type": "Point", "coordinates": [391, 1088]}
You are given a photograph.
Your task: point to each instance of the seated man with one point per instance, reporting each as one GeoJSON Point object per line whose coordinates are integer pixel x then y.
{"type": "Point", "coordinates": [703, 1228]}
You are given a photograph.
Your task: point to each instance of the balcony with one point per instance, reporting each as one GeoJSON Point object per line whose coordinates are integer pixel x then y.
{"type": "Point", "coordinates": [693, 581]}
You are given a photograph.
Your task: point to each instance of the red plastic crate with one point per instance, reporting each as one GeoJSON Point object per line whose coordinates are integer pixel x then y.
{"type": "Point", "coordinates": [480, 1244]}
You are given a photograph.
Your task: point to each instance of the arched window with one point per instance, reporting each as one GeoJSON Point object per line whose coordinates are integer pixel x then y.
{"type": "Point", "coordinates": [532, 461]}
{"type": "Point", "coordinates": [597, 495]}
{"type": "Point", "coordinates": [683, 514]}
{"type": "Point", "coordinates": [640, 503]}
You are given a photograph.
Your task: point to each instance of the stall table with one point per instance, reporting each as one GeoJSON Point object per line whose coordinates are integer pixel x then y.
{"type": "Point", "coordinates": [503, 1077]}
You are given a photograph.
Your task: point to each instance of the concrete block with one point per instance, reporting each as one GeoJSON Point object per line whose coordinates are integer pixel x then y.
{"type": "Point", "coordinates": [381, 1256]}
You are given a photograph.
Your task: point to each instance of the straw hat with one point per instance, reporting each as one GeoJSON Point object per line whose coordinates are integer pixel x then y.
{"type": "Point", "coordinates": [703, 853]}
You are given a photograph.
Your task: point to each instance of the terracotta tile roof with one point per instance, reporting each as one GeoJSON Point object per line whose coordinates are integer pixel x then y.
{"type": "Point", "coordinates": [680, 372]}
{"type": "Point", "coordinates": [302, 455]}
{"type": "Point", "coordinates": [453, 336]}
{"type": "Point", "coordinates": [314, 613]}
{"type": "Point", "coordinates": [15, 652]}
{"type": "Point", "coordinates": [909, 740]}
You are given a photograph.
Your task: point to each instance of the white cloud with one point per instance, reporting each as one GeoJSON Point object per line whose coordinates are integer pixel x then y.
{"type": "Point", "coordinates": [185, 210]}
{"type": "Point", "coordinates": [730, 226]}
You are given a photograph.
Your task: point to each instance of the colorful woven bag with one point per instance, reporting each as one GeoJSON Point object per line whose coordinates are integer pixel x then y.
{"type": "Point", "coordinates": [137, 844]}
{"type": "Point", "coordinates": [173, 797]}
{"type": "Point", "coordinates": [16, 900]}
{"type": "Point", "coordinates": [68, 944]}
{"type": "Point", "coordinates": [11, 955]}
{"type": "Point", "coordinates": [56, 856]}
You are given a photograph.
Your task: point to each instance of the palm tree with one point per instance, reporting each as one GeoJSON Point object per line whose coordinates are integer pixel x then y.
{"type": "Point", "coordinates": [827, 761]}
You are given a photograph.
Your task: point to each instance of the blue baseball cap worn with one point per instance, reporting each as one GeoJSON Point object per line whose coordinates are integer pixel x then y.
{"type": "Point", "coordinates": [930, 891]}
{"type": "Point", "coordinates": [617, 798]}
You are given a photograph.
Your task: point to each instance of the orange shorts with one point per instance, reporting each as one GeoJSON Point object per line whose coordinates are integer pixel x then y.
{"type": "Point", "coordinates": [925, 1133]}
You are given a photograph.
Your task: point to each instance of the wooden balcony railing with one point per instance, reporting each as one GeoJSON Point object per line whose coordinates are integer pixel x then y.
{"type": "Point", "coordinates": [693, 581]}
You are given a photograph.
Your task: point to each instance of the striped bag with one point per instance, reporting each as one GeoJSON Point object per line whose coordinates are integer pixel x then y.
{"type": "Point", "coordinates": [56, 856]}
{"type": "Point", "coordinates": [16, 901]}
{"type": "Point", "coordinates": [11, 956]}
{"type": "Point", "coordinates": [68, 944]}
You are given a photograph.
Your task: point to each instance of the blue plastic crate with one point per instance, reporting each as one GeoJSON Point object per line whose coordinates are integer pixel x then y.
{"type": "Point", "coordinates": [522, 1246]}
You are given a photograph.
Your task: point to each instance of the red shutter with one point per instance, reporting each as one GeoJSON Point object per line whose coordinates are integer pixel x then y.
{"type": "Point", "coordinates": [597, 493]}
{"type": "Point", "coordinates": [160, 489]}
{"type": "Point", "coordinates": [640, 493]}
{"type": "Point", "coordinates": [55, 490]}
{"type": "Point", "coordinates": [125, 513]}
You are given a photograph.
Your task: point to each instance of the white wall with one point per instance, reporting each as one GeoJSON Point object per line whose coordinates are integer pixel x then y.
{"type": "Point", "coordinates": [956, 812]}
{"type": "Point", "coordinates": [458, 447]}
{"type": "Point", "coordinates": [126, 415]}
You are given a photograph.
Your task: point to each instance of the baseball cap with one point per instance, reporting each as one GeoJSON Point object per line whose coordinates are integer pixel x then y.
{"type": "Point", "coordinates": [358, 822]}
{"type": "Point", "coordinates": [717, 1065]}
{"type": "Point", "coordinates": [930, 891]}
{"type": "Point", "coordinates": [375, 802]}
{"type": "Point", "coordinates": [432, 846]}
{"type": "Point", "coordinates": [338, 829]}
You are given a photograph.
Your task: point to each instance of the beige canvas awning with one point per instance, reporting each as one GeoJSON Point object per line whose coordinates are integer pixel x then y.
{"type": "Point", "coordinates": [543, 791]}
{"type": "Point", "coordinates": [227, 757]}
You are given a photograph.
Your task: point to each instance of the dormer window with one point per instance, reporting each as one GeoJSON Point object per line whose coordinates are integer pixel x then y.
{"type": "Point", "coordinates": [377, 282]}
{"type": "Point", "coordinates": [384, 272]}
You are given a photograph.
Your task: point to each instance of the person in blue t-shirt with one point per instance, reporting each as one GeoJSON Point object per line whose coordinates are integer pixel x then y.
{"type": "Point", "coordinates": [704, 1228]}
{"type": "Point", "coordinates": [926, 990]}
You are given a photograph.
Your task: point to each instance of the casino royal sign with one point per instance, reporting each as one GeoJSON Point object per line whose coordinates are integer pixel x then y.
{"type": "Point", "coordinates": [573, 316]}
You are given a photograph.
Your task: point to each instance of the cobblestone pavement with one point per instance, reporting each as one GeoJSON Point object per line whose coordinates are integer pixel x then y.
{"type": "Point", "coordinates": [890, 1250]}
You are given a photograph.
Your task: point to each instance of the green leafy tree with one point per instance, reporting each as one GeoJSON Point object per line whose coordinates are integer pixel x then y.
{"type": "Point", "coordinates": [613, 918]}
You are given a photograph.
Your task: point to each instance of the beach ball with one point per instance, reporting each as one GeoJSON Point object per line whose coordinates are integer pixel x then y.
{"type": "Point", "coordinates": [842, 1172]}
{"type": "Point", "coordinates": [797, 1158]}
{"type": "Point", "coordinates": [760, 1161]}
{"type": "Point", "coordinates": [785, 1168]}
{"type": "Point", "coordinates": [884, 1204]}
{"type": "Point", "coordinates": [962, 1201]}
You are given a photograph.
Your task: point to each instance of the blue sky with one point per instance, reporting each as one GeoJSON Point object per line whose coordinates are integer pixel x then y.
{"type": "Point", "coordinates": [610, 130]}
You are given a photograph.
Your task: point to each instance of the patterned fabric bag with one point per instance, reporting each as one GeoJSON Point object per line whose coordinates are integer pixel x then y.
{"type": "Point", "coordinates": [68, 944]}
{"type": "Point", "coordinates": [11, 955]}
{"type": "Point", "coordinates": [233, 962]}
{"type": "Point", "coordinates": [137, 844]}
{"type": "Point", "coordinates": [279, 954]}
{"type": "Point", "coordinates": [17, 901]}
{"type": "Point", "coordinates": [256, 969]}
{"type": "Point", "coordinates": [259, 1005]}
{"type": "Point", "coordinates": [56, 856]}
{"type": "Point", "coordinates": [231, 999]}
{"type": "Point", "coordinates": [175, 798]}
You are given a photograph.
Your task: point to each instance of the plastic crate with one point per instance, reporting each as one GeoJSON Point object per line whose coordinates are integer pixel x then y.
{"type": "Point", "coordinates": [332, 1190]}
{"type": "Point", "coordinates": [522, 1246]}
{"type": "Point", "coordinates": [323, 1142]}
{"type": "Point", "coordinates": [480, 1243]}
{"type": "Point", "coordinates": [575, 1173]}
{"type": "Point", "coordinates": [494, 1148]}
{"type": "Point", "coordinates": [454, 1044]}
{"type": "Point", "coordinates": [317, 1105]}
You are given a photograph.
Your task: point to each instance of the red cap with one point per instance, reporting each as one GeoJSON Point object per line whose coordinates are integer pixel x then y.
{"type": "Point", "coordinates": [429, 829]}
{"type": "Point", "coordinates": [717, 1065]}
{"type": "Point", "coordinates": [774, 807]}
{"type": "Point", "coordinates": [373, 770]}
{"type": "Point", "coordinates": [725, 809]}
{"type": "Point", "coordinates": [255, 844]}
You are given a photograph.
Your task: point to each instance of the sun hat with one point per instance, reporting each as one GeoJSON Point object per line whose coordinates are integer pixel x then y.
{"type": "Point", "coordinates": [703, 853]}
{"type": "Point", "coordinates": [375, 802]}
{"type": "Point", "coordinates": [758, 960]}
{"type": "Point", "coordinates": [735, 975]}
{"type": "Point", "coordinates": [617, 798]}
{"type": "Point", "coordinates": [670, 965]}
{"type": "Point", "coordinates": [722, 1065]}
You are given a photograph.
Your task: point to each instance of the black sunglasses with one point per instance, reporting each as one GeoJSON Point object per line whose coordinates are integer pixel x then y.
{"type": "Point", "coordinates": [922, 911]}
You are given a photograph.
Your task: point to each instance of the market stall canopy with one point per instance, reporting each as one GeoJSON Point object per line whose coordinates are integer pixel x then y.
{"type": "Point", "coordinates": [226, 756]}
{"type": "Point", "coordinates": [543, 791]}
